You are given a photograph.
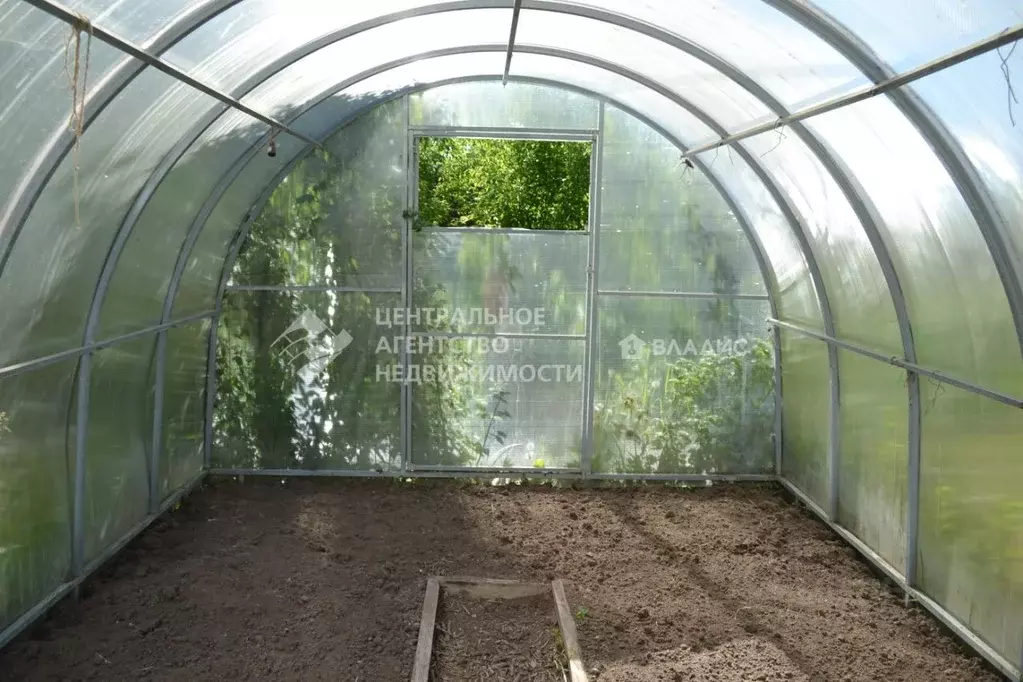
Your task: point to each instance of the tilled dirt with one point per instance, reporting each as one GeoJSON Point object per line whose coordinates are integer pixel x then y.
{"type": "Point", "coordinates": [324, 580]}
{"type": "Point", "coordinates": [503, 640]}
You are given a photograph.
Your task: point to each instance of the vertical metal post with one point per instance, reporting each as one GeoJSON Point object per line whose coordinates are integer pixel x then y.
{"type": "Point", "coordinates": [81, 438]}
{"type": "Point", "coordinates": [411, 178]}
{"type": "Point", "coordinates": [913, 497]}
{"type": "Point", "coordinates": [211, 390]}
{"type": "Point", "coordinates": [776, 333]}
{"type": "Point", "coordinates": [591, 352]}
{"type": "Point", "coordinates": [834, 436]}
{"type": "Point", "coordinates": [154, 454]}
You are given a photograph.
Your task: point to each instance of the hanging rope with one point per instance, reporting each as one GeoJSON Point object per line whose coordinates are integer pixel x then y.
{"type": "Point", "coordinates": [75, 66]}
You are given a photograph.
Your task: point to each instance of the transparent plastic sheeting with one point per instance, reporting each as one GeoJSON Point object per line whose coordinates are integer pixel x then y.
{"type": "Point", "coordinates": [474, 418]}
{"type": "Point", "coordinates": [52, 273]}
{"type": "Point", "coordinates": [973, 101]}
{"type": "Point", "coordinates": [938, 26]}
{"type": "Point", "coordinates": [145, 267]}
{"type": "Point", "coordinates": [36, 91]}
{"type": "Point", "coordinates": [664, 227]}
{"type": "Point", "coordinates": [860, 301]}
{"type": "Point", "coordinates": [35, 501]}
{"type": "Point", "coordinates": [961, 319]}
{"type": "Point", "coordinates": [971, 515]}
{"type": "Point", "coordinates": [343, 417]}
{"type": "Point", "coordinates": [796, 298]}
{"type": "Point", "coordinates": [184, 406]}
{"type": "Point", "coordinates": [119, 442]}
{"type": "Point", "coordinates": [874, 460]}
{"type": "Point", "coordinates": [806, 387]}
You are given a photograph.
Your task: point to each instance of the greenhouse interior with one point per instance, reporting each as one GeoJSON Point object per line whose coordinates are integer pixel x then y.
{"type": "Point", "coordinates": [713, 310]}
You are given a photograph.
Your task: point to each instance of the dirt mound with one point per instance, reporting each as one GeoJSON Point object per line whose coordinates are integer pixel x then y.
{"type": "Point", "coordinates": [744, 660]}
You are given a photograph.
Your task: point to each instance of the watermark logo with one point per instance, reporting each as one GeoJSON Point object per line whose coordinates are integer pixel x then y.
{"type": "Point", "coordinates": [632, 347]}
{"type": "Point", "coordinates": [310, 345]}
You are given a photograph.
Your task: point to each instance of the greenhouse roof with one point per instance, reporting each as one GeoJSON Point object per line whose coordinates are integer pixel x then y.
{"type": "Point", "coordinates": [871, 151]}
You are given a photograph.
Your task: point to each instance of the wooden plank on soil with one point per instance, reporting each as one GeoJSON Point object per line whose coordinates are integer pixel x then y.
{"type": "Point", "coordinates": [424, 649]}
{"type": "Point", "coordinates": [489, 588]}
{"type": "Point", "coordinates": [568, 633]}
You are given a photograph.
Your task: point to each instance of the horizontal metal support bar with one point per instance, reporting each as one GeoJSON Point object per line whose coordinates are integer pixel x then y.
{"type": "Point", "coordinates": [544, 134]}
{"type": "Point", "coordinates": [500, 335]}
{"type": "Point", "coordinates": [313, 288]}
{"type": "Point", "coordinates": [900, 362]}
{"type": "Point", "coordinates": [523, 473]}
{"type": "Point", "coordinates": [681, 294]}
{"type": "Point", "coordinates": [1005, 37]}
{"type": "Point", "coordinates": [99, 345]}
{"type": "Point", "coordinates": [542, 471]}
{"type": "Point", "coordinates": [935, 609]}
{"type": "Point", "coordinates": [40, 609]}
{"type": "Point", "coordinates": [517, 231]}
{"type": "Point", "coordinates": [83, 24]}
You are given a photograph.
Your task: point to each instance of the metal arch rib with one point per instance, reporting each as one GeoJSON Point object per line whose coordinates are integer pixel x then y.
{"type": "Point", "coordinates": [259, 204]}
{"type": "Point", "coordinates": [166, 164]}
{"type": "Point", "coordinates": [257, 207]}
{"type": "Point", "coordinates": [228, 178]}
{"type": "Point", "coordinates": [992, 224]}
{"type": "Point", "coordinates": [855, 195]}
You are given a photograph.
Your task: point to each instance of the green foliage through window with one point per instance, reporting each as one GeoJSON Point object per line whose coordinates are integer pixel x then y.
{"type": "Point", "coordinates": [540, 185]}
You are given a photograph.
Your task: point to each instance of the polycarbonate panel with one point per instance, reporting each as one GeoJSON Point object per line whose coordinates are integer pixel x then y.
{"type": "Point", "coordinates": [961, 319]}
{"type": "Point", "coordinates": [515, 105]}
{"type": "Point", "coordinates": [937, 27]}
{"type": "Point", "coordinates": [35, 500]}
{"type": "Point", "coordinates": [664, 113]}
{"type": "Point", "coordinates": [874, 455]}
{"type": "Point", "coordinates": [529, 282]}
{"type": "Point", "coordinates": [553, 105]}
{"type": "Point", "coordinates": [53, 270]}
{"type": "Point", "coordinates": [337, 219]}
{"type": "Point", "coordinates": [36, 89]}
{"type": "Point", "coordinates": [856, 287]}
{"type": "Point", "coordinates": [308, 77]}
{"type": "Point", "coordinates": [184, 406]}
{"type": "Point", "coordinates": [664, 227]}
{"type": "Point", "coordinates": [204, 267]}
{"type": "Point", "coordinates": [482, 403]}
{"type": "Point", "coordinates": [683, 386]}
{"type": "Point", "coordinates": [806, 414]}
{"type": "Point", "coordinates": [706, 87]}
{"type": "Point", "coordinates": [135, 296]}
{"type": "Point", "coordinates": [971, 513]}
{"type": "Point", "coordinates": [133, 20]}
{"type": "Point", "coordinates": [119, 442]}
{"type": "Point", "coordinates": [292, 395]}
{"type": "Point", "coordinates": [796, 66]}
{"type": "Point", "coordinates": [973, 100]}
{"type": "Point", "coordinates": [233, 45]}
{"type": "Point", "coordinates": [797, 300]}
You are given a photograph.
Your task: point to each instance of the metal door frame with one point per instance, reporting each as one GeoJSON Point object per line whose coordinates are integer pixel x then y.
{"type": "Point", "coordinates": [595, 137]}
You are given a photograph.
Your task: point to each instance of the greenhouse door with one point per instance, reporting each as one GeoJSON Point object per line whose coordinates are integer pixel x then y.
{"type": "Point", "coordinates": [498, 315]}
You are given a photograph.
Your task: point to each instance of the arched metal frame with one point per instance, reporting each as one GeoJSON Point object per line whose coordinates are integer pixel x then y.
{"type": "Point", "coordinates": [857, 198]}
{"type": "Point", "coordinates": [991, 222]}
{"type": "Point", "coordinates": [257, 207]}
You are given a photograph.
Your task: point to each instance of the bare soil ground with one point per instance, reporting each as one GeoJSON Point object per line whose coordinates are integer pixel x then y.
{"type": "Point", "coordinates": [324, 580]}
{"type": "Point", "coordinates": [506, 640]}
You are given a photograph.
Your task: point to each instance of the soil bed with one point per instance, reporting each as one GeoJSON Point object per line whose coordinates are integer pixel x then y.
{"type": "Point", "coordinates": [496, 640]}
{"type": "Point", "coordinates": [324, 580]}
